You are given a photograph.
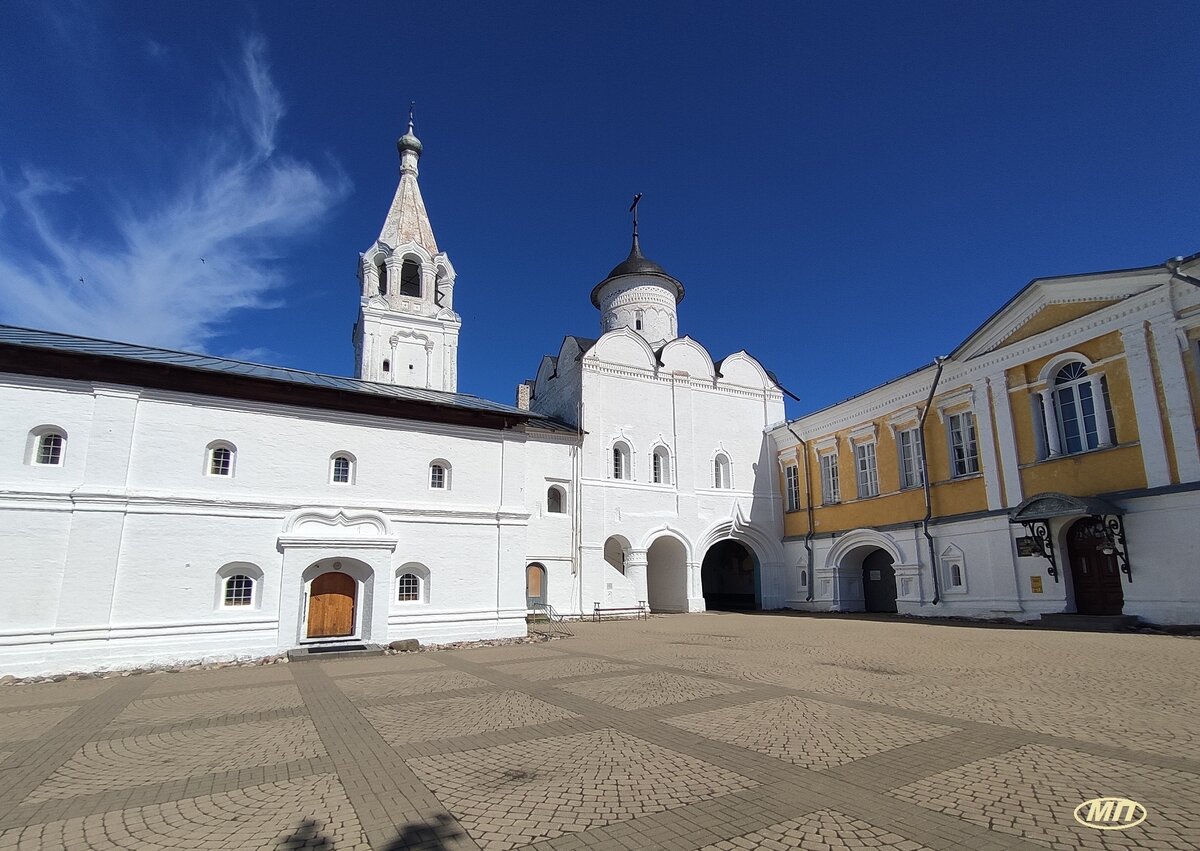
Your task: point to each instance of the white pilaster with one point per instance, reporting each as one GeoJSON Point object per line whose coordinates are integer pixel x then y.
{"type": "Point", "coordinates": [987, 440]}
{"type": "Point", "coordinates": [1002, 410]}
{"type": "Point", "coordinates": [1145, 405]}
{"type": "Point", "coordinates": [1103, 427]}
{"type": "Point", "coordinates": [1053, 444]}
{"type": "Point", "coordinates": [1175, 392]}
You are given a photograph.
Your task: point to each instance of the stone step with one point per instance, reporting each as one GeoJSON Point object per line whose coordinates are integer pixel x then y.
{"type": "Point", "coordinates": [325, 652]}
{"type": "Point", "coordinates": [1090, 623]}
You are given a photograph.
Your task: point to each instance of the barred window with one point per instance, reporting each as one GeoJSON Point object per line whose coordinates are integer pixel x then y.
{"type": "Point", "coordinates": [408, 588]}
{"type": "Point", "coordinates": [239, 590]}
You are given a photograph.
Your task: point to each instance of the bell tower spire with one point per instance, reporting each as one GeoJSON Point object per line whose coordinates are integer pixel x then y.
{"type": "Point", "coordinates": [407, 330]}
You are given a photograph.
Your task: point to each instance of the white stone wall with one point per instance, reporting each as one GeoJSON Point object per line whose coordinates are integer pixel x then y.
{"type": "Point", "coordinates": [643, 297]}
{"type": "Point", "coordinates": [627, 397]}
{"type": "Point", "coordinates": [113, 558]}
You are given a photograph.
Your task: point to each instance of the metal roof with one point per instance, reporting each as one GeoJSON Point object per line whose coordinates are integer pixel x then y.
{"type": "Point", "coordinates": [10, 335]}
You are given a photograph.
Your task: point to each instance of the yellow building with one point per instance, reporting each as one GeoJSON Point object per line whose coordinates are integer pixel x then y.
{"type": "Point", "coordinates": [1049, 464]}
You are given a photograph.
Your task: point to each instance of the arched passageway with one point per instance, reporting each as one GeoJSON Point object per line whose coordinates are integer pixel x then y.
{"type": "Point", "coordinates": [879, 582]}
{"type": "Point", "coordinates": [730, 578]}
{"type": "Point", "coordinates": [666, 575]}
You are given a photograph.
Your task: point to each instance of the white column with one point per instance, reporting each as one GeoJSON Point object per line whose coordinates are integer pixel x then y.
{"type": "Point", "coordinates": [1145, 405]}
{"type": "Point", "coordinates": [1103, 428]}
{"type": "Point", "coordinates": [1178, 399]}
{"type": "Point", "coordinates": [635, 572]}
{"type": "Point", "coordinates": [1002, 409]}
{"type": "Point", "coordinates": [987, 445]}
{"type": "Point", "coordinates": [1053, 446]}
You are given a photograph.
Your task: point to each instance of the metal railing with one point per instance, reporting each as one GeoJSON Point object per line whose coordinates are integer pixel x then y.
{"type": "Point", "coordinates": [547, 621]}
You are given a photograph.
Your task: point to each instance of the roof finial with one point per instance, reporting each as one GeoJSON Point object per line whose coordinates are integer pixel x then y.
{"type": "Point", "coordinates": [409, 141]}
{"type": "Point", "coordinates": [633, 209]}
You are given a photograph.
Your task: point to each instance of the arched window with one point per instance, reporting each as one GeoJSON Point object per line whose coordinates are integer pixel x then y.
{"type": "Point", "coordinates": [803, 578]}
{"type": "Point", "coordinates": [46, 446]}
{"type": "Point", "coordinates": [721, 476]}
{"type": "Point", "coordinates": [410, 278]}
{"type": "Point", "coordinates": [555, 501]}
{"type": "Point", "coordinates": [620, 461]}
{"type": "Point", "coordinates": [412, 584]}
{"type": "Point", "coordinates": [387, 365]}
{"type": "Point", "coordinates": [660, 466]}
{"type": "Point", "coordinates": [341, 469]}
{"type": "Point", "coordinates": [408, 588]}
{"type": "Point", "coordinates": [238, 586]}
{"type": "Point", "coordinates": [381, 273]}
{"type": "Point", "coordinates": [638, 316]}
{"type": "Point", "coordinates": [1080, 409]}
{"type": "Point", "coordinates": [220, 458]}
{"type": "Point", "coordinates": [439, 475]}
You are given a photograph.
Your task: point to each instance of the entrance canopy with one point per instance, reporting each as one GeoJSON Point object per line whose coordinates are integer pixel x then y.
{"type": "Point", "coordinates": [1044, 506]}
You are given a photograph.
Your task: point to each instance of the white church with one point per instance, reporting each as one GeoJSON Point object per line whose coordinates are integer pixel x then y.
{"type": "Point", "coordinates": [160, 507]}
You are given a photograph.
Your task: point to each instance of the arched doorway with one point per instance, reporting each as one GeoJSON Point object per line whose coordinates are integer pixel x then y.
{"type": "Point", "coordinates": [1095, 574]}
{"type": "Point", "coordinates": [666, 575]}
{"type": "Point", "coordinates": [879, 582]}
{"type": "Point", "coordinates": [535, 585]}
{"type": "Point", "coordinates": [729, 577]}
{"type": "Point", "coordinates": [331, 603]}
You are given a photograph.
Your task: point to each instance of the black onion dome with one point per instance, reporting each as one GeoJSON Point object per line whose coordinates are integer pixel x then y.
{"type": "Point", "coordinates": [637, 264]}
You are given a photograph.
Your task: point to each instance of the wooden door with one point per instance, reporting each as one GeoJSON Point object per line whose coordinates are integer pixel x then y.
{"type": "Point", "coordinates": [535, 585]}
{"type": "Point", "coordinates": [1095, 575]}
{"type": "Point", "coordinates": [331, 605]}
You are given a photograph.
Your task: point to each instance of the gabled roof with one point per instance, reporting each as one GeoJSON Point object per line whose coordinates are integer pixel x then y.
{"type": "Point", "coordinates": [1109, 285]}
{"type": "Point", "coordinates": [30, 352]}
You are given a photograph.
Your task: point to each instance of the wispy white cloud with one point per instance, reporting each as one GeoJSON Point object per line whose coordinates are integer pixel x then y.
{"type": "Point", "coordinates": [181, 265]}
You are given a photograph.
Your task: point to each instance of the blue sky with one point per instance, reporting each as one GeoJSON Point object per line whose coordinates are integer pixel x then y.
{"type": "Point", "coordinates": [845, 189]}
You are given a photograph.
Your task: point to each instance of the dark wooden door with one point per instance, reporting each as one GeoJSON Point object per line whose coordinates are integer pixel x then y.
{"type": "Point", "coordinates": [879, 583]}
{"type": "Point", "coordinates": [1095, 575]}
{"type": "Point", "coordinates": [331, 605]}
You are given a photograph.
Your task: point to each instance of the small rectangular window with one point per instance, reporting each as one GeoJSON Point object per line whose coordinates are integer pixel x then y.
{"type": "Point", "coordinates": [437, 476]}
{"type": "Point", "coordinates": [830, 492]}
{"type": "Point", "coordinates": [868, 472]}
{"type": "Point", "coordinates": [964, 448]}
{"type": "Point", "coordinates": [792, 475]}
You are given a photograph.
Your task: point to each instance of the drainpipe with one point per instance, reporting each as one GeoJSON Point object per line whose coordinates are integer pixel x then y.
{"type": "Point", "coordinates": [937, 594]}
{"type": "Point", "coordinates": [809, 509]}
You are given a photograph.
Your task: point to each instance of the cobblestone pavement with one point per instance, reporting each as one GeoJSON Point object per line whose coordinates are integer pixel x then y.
{"type": "Point", "coordinates": [716, 732]}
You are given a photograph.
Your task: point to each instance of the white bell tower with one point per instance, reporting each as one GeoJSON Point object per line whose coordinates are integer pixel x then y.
{"type": "Point", "coordinates": [407, 330]}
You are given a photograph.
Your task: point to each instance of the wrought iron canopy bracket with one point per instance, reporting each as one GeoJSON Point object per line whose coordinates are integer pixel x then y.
{"type": "Point", "coordinates": [1039, 531]}
{"type": "Point", "coordinates": [1114, 533]}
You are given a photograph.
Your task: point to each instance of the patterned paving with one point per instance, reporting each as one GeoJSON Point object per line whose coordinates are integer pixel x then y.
{"type": "Point", "coordinates": [31, 723]}
{"type": "Point", "coordinates": [461, 716]}
{"type": "Point", "coordinates": [142, 760]}
{"type": "Point", "coordinates": [681, 732]}
{"type": "Point", "coordinates": [311, 813]}
{"type": "Point", "coordinates": [193, 706]}
{"type": "Point", "coordinates": [1032, 791]}
{"type": "Point", "coordinates": [807, 732]}
{"type": "Point", "coordinates": [386, 686]}
{"type": "Point", "coordinates": [642, 691]}
{"type": "Point", "coordinates": [819, 831]}
{"type": "Point", "coordinates": [515, 794]}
